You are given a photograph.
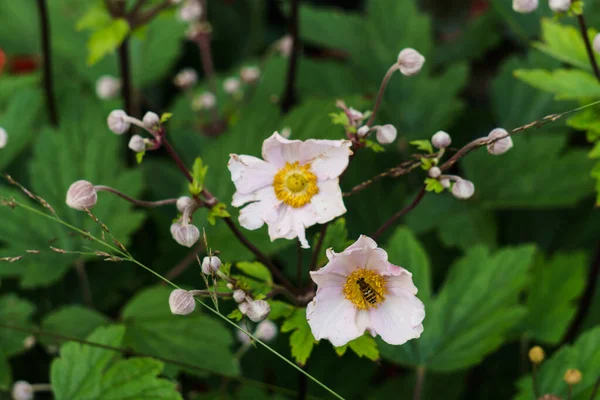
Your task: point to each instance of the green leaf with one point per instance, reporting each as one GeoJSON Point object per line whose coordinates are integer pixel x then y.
{"type": "Point", "coordinates": [423, 145]}
{"type": "Point", "coordinates": [5, 374]}
{"type": "Point", "coordinates": [583, 355]}
{"type": "Point", "coordinates": [74, 321]}
{"type": "Point", "coordinates": [17, 312]}
{"type": "Point", "coordinates": [139, 156]}
{"type": "Point", "coordinates": [472, 314]}
{"type": "Point", "coordinates": [280, 309]}
{"type": "Point", "coordinates": [218, 211]}
{"type": "Point", "coordinates": [256, 270]}
{"type": "Point", "coordinates": [302, 340]}
{"type": "Point", "coordinates": [195, 339]}
{"type": "Point", "coordinates": [95, 18]}
{"type": "Point", "coordinates": [564, 83]}
{"type": "Point", "coordinates": [373, 145]}
{"type": "Point", "coordinates": [555, 285]}
{"type": "Point", "coordinates": [365, 346]}
{"type": "Point", "coordinates": [339, 118]}
{"type": "Point", "coordinates": [235, 315]}
{"type": "Point", "coordinates": [165, 117]}
{"type": "Point", "coordinates": [106, 40]}
{"type": "Point", "coordinates": [199, 171]}
{"type": "Point", "coordinates": [433, 185]}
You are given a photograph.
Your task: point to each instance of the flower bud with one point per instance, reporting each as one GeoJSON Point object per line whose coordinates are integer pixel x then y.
{"type": "Point", "coordinates": [136, 143]}
{"type": "Point", "coordinates": [243, 307]}
{"type": "Point", "coordinates": [29, 342]}
{"type": "Point", "coordinates": [230, 286]}
{"type": "Point", "coordinates": [536, 355]}
{"type": "Point", "coordinates": [22, 390]}
{"type": "Point", "coordinates": [3, 138]}
{"type": "Point", "coordinates": [355, 115]}
{"type": "Point", "coordinates": [151, 120]}
{"type": "Point", "coordinates": [441, 140]}
{"type": "Point", "coordinates": [445, 182]}
{"type": "Point", "coordinates": [500, 146]}
{"type": "Point", "coordinates": [596, 43]}
{"type": "Point", "coordinates": [205, 101]}
{"type": "Point", "coordinates": [174, 227]}
{"type": "Point", "coordinates": [573, 376]}
{"type": "Point", "coordinates": [266, 331]}
{"type": "Point", "coordinates": [242, 337]}
{"type": "Point", "coordinates": [82, 195]}
{"type": "Point", "coordinates": [210, 265]}
{"type": "Point", "coordinates": [285, 45]}
{"type": "Point", "coordinates": [181, 302]}
{"type": "Point", "coordinates": [250, 74]}
{"type": "Point", "coordinates": [363, 131]}
{"type": "Point", "coordinates": [525, 6]}
{"type": "Point", "coordinates": [190, 11]}
{"type": "Point", "coordinates": [231, 85]}
{"type": "Point", "coordinates": [239, 296]}
{"type": "Point", "coordinates": [258, 310]}
{"type": "Point", "coordinates": [107, 87]}
{"type": "Point", "coordinates": [410, 62]}
{"type": "Point", "coordinates": [186, 78]}
{"type": "Point", "coordinates": [386, 134]}
{"type": "Point", "coordinates": [560, 5]}
{"type": "Point", "coordinates": [463, 189]}
{"type": "Point", "coordinates": [183, 203]}
{"type": "Point", "coordinates": [186, 235]}
{"type": "Point", "coordinates": [434, 172]}
{"type": "Point", "coordinates": [117, 122]}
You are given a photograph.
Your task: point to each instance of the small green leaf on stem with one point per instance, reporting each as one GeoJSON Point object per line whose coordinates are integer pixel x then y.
{"type": "Point", "coordinates": [218, 211]}
{"type": "Point", "coordinates": [165, 117]}
{"type": "Point", "coordinates": [302, 340]}
{"type": "Point", "coordinates": [433, 185]}
{"type": "Point", "coordinates": [376, 147]}
{"type": "Point", "coordinates": [139, 157]}
{"type": "Point", "coordinates": [199, 171]}
{"type": "Point", "coordinates": [424, 145]}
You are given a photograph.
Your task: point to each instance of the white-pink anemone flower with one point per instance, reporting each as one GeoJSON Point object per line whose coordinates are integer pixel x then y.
{"type": "Point", "coordinates": [296, 185]}
{"type": "Point", "coordinates": [359, 290]}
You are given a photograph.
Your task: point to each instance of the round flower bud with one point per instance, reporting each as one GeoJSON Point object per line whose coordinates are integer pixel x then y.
{"type": "Point", "coordinates": [210, 265]}
{"type": "Point", "coordinates": [183, 203]}
{"type": "Point", "coordinates": [258, 310]}
{"type": "Point", "coordinates": [151, 120]}
{"type": "Point", "coordinates": [231, 85]}
{"type": "Point", "coordinates": [181, 302]}
{"type": "Point", "coordinates": [242, 337]}
{"type": "Point", "coordinates": [355, 115]}
{"type": "Point", "coordinates": [186, 78]}
{"type": "Point", "coordinates": [250, 74]}
{"type": "Point", "coordinates": [266, 330]}
{"type": "Point", "coordinates": [22, 390]}
{"type": "Point", "coordinates": [434, 172]}
{"type": "Point", "coordinates": [3, 138]}
{"type": "Point", "coordinates": [500, 146]}
{"type": "Point", "coordinates": [573, 376]}
{"type": "Point", "coordinates": [29, 342]}
{"type": "Point", "coordinates": [107, 87]}
{"type": "Point", "coordinates": [560, 5]}
{"type": "Point", "coordinates": [174, 227]}
{"type": "Point", "coordinates": [525, 6]}
{"type": "Point", "coordinates": [596, 43]}
{"type": "Point", "coordinates": [243, 307]}
{"type": "Point", "coordinates": [205, 101]}
{"type": "Point", "coordinates": [82, 195]}
{"type": "Point", "coordinates": [186, 235]}
{"type": "Point", "coordinates": [239, 296]}
{"type": "Point", "coordinates": [136, 143]}
{"type": "Point", "coordinates": [190, 11]}
{"type": "Point", "coordinates": [229, 286]}
{"type": "Point", "coordinates": [441, 140]}
{"type": "Point", "coordinates": [410, 62]}
{"type": "Point", "coordinates": [386, 134]}
{"type": "Point", "coordinates": [363, 131]}
{"type": "Point", "coordinates": [445, 182]}
{"type": "Point", "coordinates": [285, 45]}
{"type": "Point", "coordinates": [117, 122]}
{"type": "Point", "coordinates": [463, 189]}
{"type": "Point", "coordinates": [536, 355]}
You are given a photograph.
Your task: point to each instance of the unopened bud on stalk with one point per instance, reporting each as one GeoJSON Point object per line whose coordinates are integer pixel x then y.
{"type": "Point", "coordinates": [107, 87]}
{"type": "Point", "coordinates": [204, 101]}
{"type": "Point", "coordinates": [22, 390]}
{"type": "Point", "coordinates": [285, 45]}
{"type": "Point", "coordinates": [597, 43]}
{"type": "Point", "coordinates": [363, 131]}
{"type": "Point", "coordinates": [82, 195]}
{"type": "Point", "coordinates": [463, 189]}
{"type": "Point", "coordinates": [441, 140]}
{"type": "Point", "coordinates": [117, 122]}
{"type": "Point", "coordinates": [560, 5]}
{"type": "Point", "coordinates": [573, 376]}
{"type": "Point", "coordinates": [502, 145]}
{"type": "Point", "coordinates": [136, 143]}
{"type": "Point", "coordinates": [174, 227]}
{"type": "Point", "coordinates": [250, 74]}
{"type": "Point", "coordinates": [536, 355]}
{"type": "Point", "coordinates": [239, 296]}
{"type": "Point", "coordinates": [3, 138]}
{"type": "Point", "coordinates": [183, 203]}
{"type": "Point", "coordinates": [29, 342]}
{"type": "Point", "coordinates": [410, 62]}
{"type": "Point", "coordinates": [181, 302]}
{"type": "Point", "coordinates": [186, 234]}
{"type": "Point", "coordinates": [231, 85]}
{"type": "Point", "coordinates": [242, 337]}
{"type": "Point", "coordinates": [266, 330]}
{"type": "Point", "coordinates": [186, 78]}
{"type": "Point", "coordinates": [386, 134]}
{"type": "Point", "coordinates": [445, 182]}
{"type": "Point", "coordinates": [434, 172]}
{"type": "Point", "coordinates": [210, 265]}
{"type": "Point", "coordinates": [355, 115]}
{"type": "Point", "coordinates": [151, 121]}
{"type": "Point", "coordinates": [525, 6]}
{"type": "Point", "coordinates": [243, 307]}
{"type": "Point", "coordinates": [258, 310]}
{"type": "Point", "coordinates": [190, 11]}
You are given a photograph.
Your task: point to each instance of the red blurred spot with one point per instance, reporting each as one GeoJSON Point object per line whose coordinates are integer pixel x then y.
{"type": "Point", "coordinates": [23, 64]}
{"type": "Point", "coordinates": [2, 60]}
{"type": "Point", "coordinates": [478, 7]}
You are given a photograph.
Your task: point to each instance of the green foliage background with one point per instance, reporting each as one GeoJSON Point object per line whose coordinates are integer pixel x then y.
{"type": "Point", "coordinates": [498, 273]}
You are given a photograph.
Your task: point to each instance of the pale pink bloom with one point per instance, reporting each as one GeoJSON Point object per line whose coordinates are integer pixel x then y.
{"type": "Point", "coordinates": [359, 291]}
{"type": "Point", "coordinates": [296, 185]}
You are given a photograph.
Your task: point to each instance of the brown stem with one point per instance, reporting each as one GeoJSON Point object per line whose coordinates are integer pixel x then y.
{"type": "Point", "coordinates": [387, 224]}
{"type": "Point", "coordinates": [210, 293]}
{"type": "Point", "coordinates": [289, 96]}
{"type": "Point", "coordinates": [299, 265]}
{"type": "Point", "coordinates": [138, 19]}
{"type": "Point", "coordinates": [382, 87]}
{"type": "Point", "coordinates": [534, 381]}
{"type": "Point", "coordinates": [570, 392]}
{"type": "Point", "coordinates": [125, 70]}
{"type": "Point", "coordinates": [303, 385]}
{"type": "Point", "coordinates": [86, 290]}
{"type": "Point", "coordinates": [173, 154]}
{"type": "Point", "coordinates": [588, 45]}
{"type": "Point", "coordinates": [419, 383]}
{"type": "Point", "coordinates": [141, 203]}
{"type": "Point", "coordinates": [399, 170]}
{"type": "Point", "coordinates": [317, 250]}
{"type": "Point", "coordinates": [47, 54]}
{"type": "Point", "coordinates": [595, 389]}
{"type": "Point", "coordinates": [178, 269]}
{"type": "Point", "coordinates": [139, 4]}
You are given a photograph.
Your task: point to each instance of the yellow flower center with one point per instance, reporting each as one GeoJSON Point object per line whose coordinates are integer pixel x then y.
{"type": "Point", "coordinates": [365, 289]}
{"type": "Point", "coordinates": [295, 185]}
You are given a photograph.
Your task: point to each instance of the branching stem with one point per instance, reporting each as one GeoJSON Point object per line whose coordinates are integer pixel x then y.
{"type": "Point", "coordinates": [47, 54]}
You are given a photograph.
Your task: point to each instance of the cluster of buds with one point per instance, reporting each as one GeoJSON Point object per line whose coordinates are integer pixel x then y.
{"type": "Point", "coordinates": [211, 265]}
{"type": "Point", "coordinates": [528, 6]}
{"type": "Point", "coordinates": [255, 310]}
{"type": "Point", "coordinates": [265, 331]}
{"type": "Point", "coordinates": [385, 134]}
{"type": "Point", "coordinates": [190, 11]}
{"type": "Point", "coordinates": [186, 78]}
{"type": "Point", "coordinates": [3, 138]}
{"type": "Point", "coordinates": [285, 45]}
{"type": "Point", "coordinates": [119, 122]}
{"type": "Point", "coordinates": [107, 87]}
{"type": "Point", "coordinates": [182, 231]}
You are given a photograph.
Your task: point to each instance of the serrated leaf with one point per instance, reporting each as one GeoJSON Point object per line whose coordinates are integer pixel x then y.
{"type": "Point", "coordinates": [256, 270]}
{"type": "Point", "coordinates": [365, 346]}
{"type": "Point", "coordinates": [74, 321]}
{"type": "Point", "coordinates": [302, 340]}
{"type": "Point", "coordinates": [235, 315]}
{"type": "Point", "coordinates": [565, 84]}
{"type": "Point", "coordinates": [217, 211]}
{"type": "Point", "coordinates": [199, 171]}
{"type": "Point", "coordinates": [433, 185]}
{"type": "Point", "coordinates": [106, 40]}
{"type": "Point", "coordinates": [95, 18]}
{"type": "Point", "coordinates": [423, 145]}
{"type": "Point", "coordinates": [195, 339]}
{"type": "Point", "coordinates": [373, 145]}
{"type": "Point", "coordinates": [279, 309]}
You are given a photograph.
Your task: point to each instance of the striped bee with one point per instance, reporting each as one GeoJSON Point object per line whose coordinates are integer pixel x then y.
{"type": "Point", "coordinates": [369, 294]}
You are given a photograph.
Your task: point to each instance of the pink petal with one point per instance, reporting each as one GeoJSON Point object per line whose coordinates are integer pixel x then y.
{"type": "Point", "coordinates": [399, 318]}
{"type": "Point", "coordinates": [401, 280]}
{"type": "Point", "coordinates": [363, 242]}
{"type": "Point", "coordinates": [328, 203]}
{"type": "Point", "coordinates": [250, 173]}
